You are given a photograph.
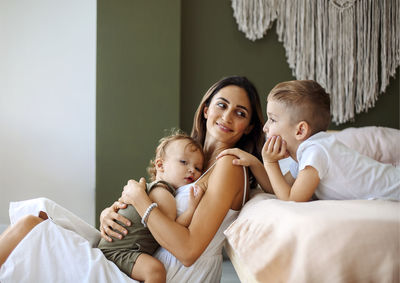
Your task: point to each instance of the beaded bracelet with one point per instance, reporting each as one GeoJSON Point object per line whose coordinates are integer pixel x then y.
{"type": "Point", "coordinates": [147, 213]}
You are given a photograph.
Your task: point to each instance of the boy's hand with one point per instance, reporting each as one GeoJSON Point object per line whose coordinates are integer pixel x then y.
{"type": "Point", "coordinates": [244, 158]}
{"type": "Point", "coordinates": [274, 149]}
{"type": "Point", "coordinates": [196, 193]}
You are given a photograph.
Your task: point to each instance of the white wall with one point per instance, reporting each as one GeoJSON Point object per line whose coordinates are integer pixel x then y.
{"type": "Point", "coordinates": [47, 103]}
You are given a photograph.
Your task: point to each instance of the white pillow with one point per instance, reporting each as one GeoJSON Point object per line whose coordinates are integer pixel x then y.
{"type": "Point", "coordinates": [379, 143]}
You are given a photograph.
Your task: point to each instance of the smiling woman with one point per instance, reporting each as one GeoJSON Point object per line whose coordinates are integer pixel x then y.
{"type": "Point", "coordinates": [229, 115]}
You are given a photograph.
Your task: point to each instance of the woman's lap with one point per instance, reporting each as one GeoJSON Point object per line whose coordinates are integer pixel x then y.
{"type": "Point", "coordinates": [51, 253]}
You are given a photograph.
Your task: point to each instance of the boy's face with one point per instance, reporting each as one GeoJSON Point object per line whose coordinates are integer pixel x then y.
{"type": "Point", "coordinates": [182, 163]}
{"type": "Point", "coordinates": [279, 124]}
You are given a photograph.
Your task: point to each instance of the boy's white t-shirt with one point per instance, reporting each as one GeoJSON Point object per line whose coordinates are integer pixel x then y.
{"type": "Point", "coordinates": [344, 173]}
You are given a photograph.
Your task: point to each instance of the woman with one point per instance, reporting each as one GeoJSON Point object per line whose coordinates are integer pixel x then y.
{"type": "Point", "coordinates": [228, 116]}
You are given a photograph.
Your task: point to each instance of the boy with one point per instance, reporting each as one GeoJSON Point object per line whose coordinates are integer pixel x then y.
{"type": "Point", "coordinates": [179, 161]}
{"type": "Point", "coordinates": [298, 116]}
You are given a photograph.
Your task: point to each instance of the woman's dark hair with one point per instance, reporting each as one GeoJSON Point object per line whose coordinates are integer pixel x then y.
{"type": "Point", "coordinates": [253, 141]}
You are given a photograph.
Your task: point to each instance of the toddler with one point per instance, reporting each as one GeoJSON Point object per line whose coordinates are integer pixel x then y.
{"type": "Point", "coordinates": [179, 161]}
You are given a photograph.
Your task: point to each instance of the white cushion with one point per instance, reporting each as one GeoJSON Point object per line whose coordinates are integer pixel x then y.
{"type": "Point", "coordinates": [318, 241]}
{"type": "Point", "coordinates": [379, 143]}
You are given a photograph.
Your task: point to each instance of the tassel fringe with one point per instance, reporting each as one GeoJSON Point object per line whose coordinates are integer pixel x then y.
{"type": "Point", "coordinates": [351, 47]}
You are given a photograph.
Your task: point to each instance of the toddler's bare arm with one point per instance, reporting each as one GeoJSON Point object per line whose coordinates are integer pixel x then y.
{"type": "Point", "coordinates": [196, 193]}
{"type": "Point", "coordinates": [165, 201]}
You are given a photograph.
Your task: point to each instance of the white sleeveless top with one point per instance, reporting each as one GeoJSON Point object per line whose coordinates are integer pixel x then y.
{"type": "Point", "coordinates": [208, 267]}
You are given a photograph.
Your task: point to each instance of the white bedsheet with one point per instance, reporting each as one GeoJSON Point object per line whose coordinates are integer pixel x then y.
{"type": "Point", "coordinates": [318, 241]}
{"type": "Point", "coordinates": [57, 253]}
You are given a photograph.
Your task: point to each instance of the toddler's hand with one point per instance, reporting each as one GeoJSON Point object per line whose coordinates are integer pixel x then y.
{"type": "Point", "coordinates": [133, 191]}
{"type": "Point", "coordinates": [196, 193]}
{"type": "Point", "coordinates": [243, 158]}
{"type": "Point", "coordinates": [274, 149]}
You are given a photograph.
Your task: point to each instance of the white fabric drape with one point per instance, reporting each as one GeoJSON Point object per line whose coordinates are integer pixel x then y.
{"type": "Point", "coordinates": [351, 47]}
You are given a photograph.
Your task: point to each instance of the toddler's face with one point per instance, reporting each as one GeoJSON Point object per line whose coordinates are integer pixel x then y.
{"type": "Point", "coordinates": [182, 163]}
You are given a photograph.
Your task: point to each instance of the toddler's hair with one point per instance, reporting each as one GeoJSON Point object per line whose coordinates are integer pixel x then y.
{"type": "Point", "coordinates": [163, 144]}
{"type": "Point", "coordinates": [306, 100]}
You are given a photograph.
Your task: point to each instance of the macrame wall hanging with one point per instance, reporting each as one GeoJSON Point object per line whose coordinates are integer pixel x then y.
{"type": "Point", "coordinates": [351, 47]}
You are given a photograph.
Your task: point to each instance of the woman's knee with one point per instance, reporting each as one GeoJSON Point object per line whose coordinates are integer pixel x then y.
{"type": "Point", "coordinates": [27, 222]}
{"type": "Point", "coordinates": [13, 235]}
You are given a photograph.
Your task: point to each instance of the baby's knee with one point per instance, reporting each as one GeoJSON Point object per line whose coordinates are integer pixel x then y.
{"type": "Point", "coordinates": [148, 269]}
{"type": "Point", "coordinates": [156, 272]}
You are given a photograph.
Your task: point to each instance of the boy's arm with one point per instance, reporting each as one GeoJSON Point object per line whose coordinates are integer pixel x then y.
{"type": "Point", "coordinates": [246, 159]}
{"type": "Point", "coordinates": [302, 188]}
{"type": "Point", "coordinates": [196, 193]}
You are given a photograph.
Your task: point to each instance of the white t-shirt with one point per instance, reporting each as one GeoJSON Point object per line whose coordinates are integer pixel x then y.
{"type": "Point", "coordinates": [344, 173]}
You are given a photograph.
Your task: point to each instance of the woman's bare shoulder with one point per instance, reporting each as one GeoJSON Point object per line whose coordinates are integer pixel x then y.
{"type": "Point", "coordinates": [226, 162]}
{"type": "Point", "coordinates": [226, 170]}
{"type": "Point", "coordinates": [225, 183]}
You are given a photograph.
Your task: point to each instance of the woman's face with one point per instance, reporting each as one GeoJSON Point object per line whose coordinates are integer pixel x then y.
{"type": "Point", "coordinates": [228, 115]}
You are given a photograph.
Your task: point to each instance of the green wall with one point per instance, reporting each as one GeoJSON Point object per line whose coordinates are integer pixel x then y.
{"type": "Point", "coordinates": [155, 60]}
{"type": "Point", "coordinates": [138, 74]}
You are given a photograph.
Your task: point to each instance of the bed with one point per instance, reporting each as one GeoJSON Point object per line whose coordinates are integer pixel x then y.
{"type": "Point", "coordinates": [322, 240]}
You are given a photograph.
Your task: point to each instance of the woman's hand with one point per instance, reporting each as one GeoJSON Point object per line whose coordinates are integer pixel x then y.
{"type": "Point", "coordinates": [243, 158]}
{"type": "Point", "coordinates": [108, 224]}
{"type": "Point", "coordinates": [134, 191]}
{"type": "Point", "coordinates": [274, 149]}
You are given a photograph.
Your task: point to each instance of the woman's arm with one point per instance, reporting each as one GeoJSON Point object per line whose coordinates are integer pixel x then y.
{"type": "Point", "coordinates": [108, 224]}
{"type": "Point", "coordinates": [224, 191]}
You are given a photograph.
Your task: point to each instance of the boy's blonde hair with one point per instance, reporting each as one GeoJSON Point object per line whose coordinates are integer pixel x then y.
{"type": "Point", "coordinates": [163, 144]}
{"type": "Point", "coordinates": [306, 100]}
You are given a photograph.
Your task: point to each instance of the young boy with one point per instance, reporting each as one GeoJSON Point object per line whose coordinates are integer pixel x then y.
{"type": "Point", "coordinates": [298, 116]}
{"type": "Point", "coordinates": [179, 161]}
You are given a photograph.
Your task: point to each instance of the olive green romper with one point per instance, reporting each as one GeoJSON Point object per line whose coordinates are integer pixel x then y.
{"type": "Point", "coordinates": [138, 240]}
